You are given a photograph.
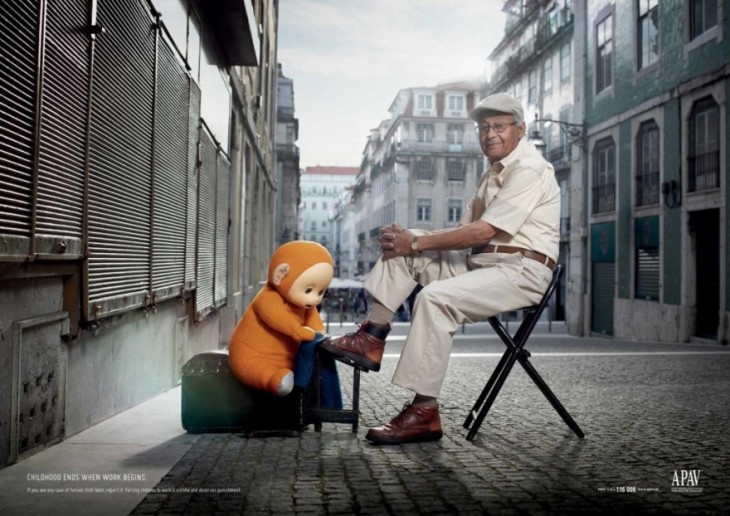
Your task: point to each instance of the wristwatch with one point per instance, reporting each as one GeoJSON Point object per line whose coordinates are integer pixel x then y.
{"type": "Point", "coordinates": [415, 246]}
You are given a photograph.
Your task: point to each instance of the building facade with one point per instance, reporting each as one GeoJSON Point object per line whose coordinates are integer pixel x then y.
{"type": "Point", "coordinates": [288, 196]}
{"type": "Point", "coordinates": [321, 187]}
{"type": "Point", "coordinates": [534, 63]}
{"type": "Point", "coordinates": [420, 167]}
{"type": "Point", "coordinates": [136, 162]}
{"type": "Point", "coordinates": [654, 217]}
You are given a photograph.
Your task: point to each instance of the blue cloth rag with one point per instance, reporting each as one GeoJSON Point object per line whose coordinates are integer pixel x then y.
{"type": "Point", "coordinates": [330, 388]}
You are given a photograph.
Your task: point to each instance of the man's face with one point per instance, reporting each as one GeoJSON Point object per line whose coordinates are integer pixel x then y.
{"type": "Point", "coordinates": [496, 145]}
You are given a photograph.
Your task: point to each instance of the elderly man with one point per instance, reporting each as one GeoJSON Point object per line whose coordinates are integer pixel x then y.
{"type": "Point", "coordinates": [499, 258]}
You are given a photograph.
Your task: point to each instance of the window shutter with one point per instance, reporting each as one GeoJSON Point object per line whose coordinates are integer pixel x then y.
{"type": "Point", "coordinates": [192, 185]}
{"type": "Point", "coordinates": [204, 298]}
{"type": "Point", "coordinates": [221, 230]}
{"type": "Point", "coordinates": [119, 218]}
{"type": "Point", "coordinates": [18, 30]}
{"type": "Point", "coordinates": [170, 176]}
{"type": "Point", "coordinates": [59, 222]}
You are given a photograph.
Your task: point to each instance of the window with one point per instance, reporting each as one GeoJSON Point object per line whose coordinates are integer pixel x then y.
{"type": "Point", "coordinates": [518, 90]}
{"type": "Point", "coordinates": [702, 16]}
{"type": "Point", "coordinates": [547, 75]}
{"type": "Point", "coordinates": [425, 102]}
{"type": "Point", "coordinates": [455, 134]}
{"type": "Point", "coordinates": [646, 256]}
{"type": "Point", "coordinates": [532, 87]}
{"type": "Point", "coordinates": [424, 171]}
{"type": "Point", "coordinates": [647, 164]}
{"type": "Point", "coordinates": [313, 225]}
{"type": "Point", "coordinates": [604, 174]}
{"type": "Point", "coordinates": [314, 205]}
{"type": "Point", "coordinates": [455, 169]}
{"type": "Point", "coordinates": [565, 62]}
{"type": "Point", "coordinates": [456, 103]}
{"type": "Point", "coordinates": [454, 210]}
{"type": "Point", "coordinates": [423, 210]}
{"type": "Point", "coordinates": [604, 54]}
{"type": "Point", "coordinates": [324, 223]}
{"type": "Point", "coordinates": [648, 37]}
{"type": "Point", "coordinates": [424, 133]}
{"type": "Point", "coordinates": [704, 146]}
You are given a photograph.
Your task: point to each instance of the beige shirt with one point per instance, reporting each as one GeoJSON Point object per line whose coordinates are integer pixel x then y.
{"type": "Point", "coordinates": [520, 196]}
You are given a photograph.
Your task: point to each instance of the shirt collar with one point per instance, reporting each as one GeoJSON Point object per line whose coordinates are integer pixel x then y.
{"type": "Point", "coordinates": [512, 156]}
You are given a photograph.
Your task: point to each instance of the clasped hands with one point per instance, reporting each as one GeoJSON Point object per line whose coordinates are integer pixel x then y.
{"type": "Point", "coordinates": [395, 241]}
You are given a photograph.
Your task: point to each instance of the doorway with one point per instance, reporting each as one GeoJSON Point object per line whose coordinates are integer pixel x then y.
{"type": "Point", "coordinates": [704, 229]}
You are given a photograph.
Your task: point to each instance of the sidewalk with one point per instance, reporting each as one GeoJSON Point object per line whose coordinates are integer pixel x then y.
{"type": "Point", "coordinates": [649, 411]}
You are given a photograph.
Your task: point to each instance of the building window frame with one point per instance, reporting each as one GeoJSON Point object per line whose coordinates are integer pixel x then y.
{"type": "Point", "coordinates": [703, 153]}
{"type": "Point", "coordinates": [454, 210]}
{"type": "Point", "coordinates": [703, 16]}
{"type": "Point", "coordinates": [648, 164]}
{"type": "Point", "coordinates": [647, 40]}
{"type": "Point", "coordinates": [565, 64]}
{"type": "Point", "coordinates": [455, 170]}
{"type": "Point", "coordinates": [604, 177]}
{"type": "Point", "coordinates": [424, 133]}
{"type": "Point", "coordinates": [547, 75]}
{"type": "Point", "coordinates": [423, 209]}
{"type": "Point", "coordinates": [424, 170]}
{"type": "Point", "coordinates": [604, 40]}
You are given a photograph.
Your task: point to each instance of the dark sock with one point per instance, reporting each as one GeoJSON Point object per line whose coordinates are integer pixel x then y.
{"type": "Point", "coordinates": [379, 314]}
{"type": "Point", "coordinates": [420, 399]}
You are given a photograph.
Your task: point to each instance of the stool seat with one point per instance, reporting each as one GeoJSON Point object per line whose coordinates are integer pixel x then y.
{"type": "Point", "coordinates": [516, 353]}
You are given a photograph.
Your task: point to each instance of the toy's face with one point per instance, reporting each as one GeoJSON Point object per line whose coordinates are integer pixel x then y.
{"type": "Point", "coordinates": [308, 289]}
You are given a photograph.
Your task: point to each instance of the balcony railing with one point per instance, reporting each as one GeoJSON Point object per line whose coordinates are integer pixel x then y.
{"type": "Point", "coordinates": [647, 189]}
{"type": "Point", "coordinates": [438, 146]}
{"type": "Point", "coordinates": [704, 171]}
{"type": "Point", "coordinates": [604, 198]}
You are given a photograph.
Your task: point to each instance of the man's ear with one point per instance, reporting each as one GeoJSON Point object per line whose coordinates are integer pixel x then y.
{"type": "Point", "coordinates": [280, 273]}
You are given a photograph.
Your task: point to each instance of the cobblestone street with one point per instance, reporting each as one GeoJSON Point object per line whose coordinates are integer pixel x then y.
{"type": "Point", "coordinates": [649, 411]}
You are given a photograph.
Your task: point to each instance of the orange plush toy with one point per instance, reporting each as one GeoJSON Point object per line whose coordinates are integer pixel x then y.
{"type": "Point", "coordinates": [281, 316]}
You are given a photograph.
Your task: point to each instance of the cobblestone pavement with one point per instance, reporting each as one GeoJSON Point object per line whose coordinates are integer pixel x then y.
{"type": "Point", "coordinates": [649, 411]}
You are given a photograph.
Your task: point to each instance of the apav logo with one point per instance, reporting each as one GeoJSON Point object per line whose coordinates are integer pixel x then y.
{"type": "Point", "coordinates": [686, 481]}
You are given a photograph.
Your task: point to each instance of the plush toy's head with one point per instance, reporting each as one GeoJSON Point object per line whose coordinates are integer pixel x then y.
{"type": "Point", "coordinates": [301, 271]}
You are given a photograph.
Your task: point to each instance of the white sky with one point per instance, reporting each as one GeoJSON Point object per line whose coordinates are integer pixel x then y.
{"type": "Point", "coordinates": [349, 59]}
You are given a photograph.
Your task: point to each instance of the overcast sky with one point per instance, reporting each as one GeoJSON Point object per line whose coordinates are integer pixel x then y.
{"type": "Point", "coordinates": [349, 59]}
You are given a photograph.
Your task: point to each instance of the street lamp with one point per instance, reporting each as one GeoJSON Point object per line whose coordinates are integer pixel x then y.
{"type": "Point", "coordinates": [574, 132]}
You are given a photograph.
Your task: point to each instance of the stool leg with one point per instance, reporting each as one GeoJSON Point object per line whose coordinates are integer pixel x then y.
{"type": "Point", "coordinates": [356, 398]}
{"type": "Point", "coordinates": [492, 395]}
{"type": "Point", "coordinates": [475, 409]}
{"type": "Point", "coordinates": [560, 409]}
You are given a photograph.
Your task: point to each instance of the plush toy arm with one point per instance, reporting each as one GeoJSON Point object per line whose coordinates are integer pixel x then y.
{"type": "Point", "coordinates": [314, 320]}
{"type": "Point", "coordinates": [275, 313]}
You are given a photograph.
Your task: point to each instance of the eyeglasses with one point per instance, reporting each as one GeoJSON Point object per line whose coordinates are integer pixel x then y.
{"type": "Point", "coordinates": [498, 128]}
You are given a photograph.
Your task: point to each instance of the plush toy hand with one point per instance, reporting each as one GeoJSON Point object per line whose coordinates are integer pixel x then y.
{"type": "Point", "coordinates": [304, 333]}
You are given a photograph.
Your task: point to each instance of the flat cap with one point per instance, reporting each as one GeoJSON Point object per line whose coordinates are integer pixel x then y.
{"type": "Point", "coordinates": [495, 104]}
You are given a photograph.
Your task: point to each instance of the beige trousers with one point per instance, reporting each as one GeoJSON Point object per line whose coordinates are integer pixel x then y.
{"type": "Point", "coordinates": [458, 288]}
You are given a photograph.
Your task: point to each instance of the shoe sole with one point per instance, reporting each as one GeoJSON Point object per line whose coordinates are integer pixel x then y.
{"type": "Point", "coordinates": [352, 359]}
{"type": "Point", "coordinates": [431, 436]}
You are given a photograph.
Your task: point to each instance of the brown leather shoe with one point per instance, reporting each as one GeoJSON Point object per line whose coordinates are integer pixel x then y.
{"type": "Point", "coordinates": [363, 349]}
{"type": "Point", "coordinates": [415, 424]}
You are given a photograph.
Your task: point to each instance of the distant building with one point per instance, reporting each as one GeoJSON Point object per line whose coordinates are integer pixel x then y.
{"type": "Point", "coordinates": [420, 167]}
{"type": "Point", "coordinates": [287, 162]}
{"type": "Point", "coordinates": [343, 221]}
{"type": "Point", "coordinates": [320, 189]}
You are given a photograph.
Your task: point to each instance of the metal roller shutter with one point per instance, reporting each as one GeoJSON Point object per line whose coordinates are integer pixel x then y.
{"type": "Point", "coordinates": [170, 176]}
{"type": "Point", "coordinates": [204, 298]}
{"type": "Point", "coordinates": [647, 274]}
{"type": "Point", "coordinates": [18, 31]}
{"type": "Point", "coordinates": [63, 131]}
{"type": "Point", "coordinates": [192, 185]}
{"type": "Point", "coordinates": [120, 160]}
{"type": "Point", "coordinates": [602, 297]}
{"type": "Point", "coordinates": [221, 229]}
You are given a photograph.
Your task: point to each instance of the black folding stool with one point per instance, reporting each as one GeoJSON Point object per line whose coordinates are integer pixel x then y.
{"type": "Point", "coordinates": [516, 352]}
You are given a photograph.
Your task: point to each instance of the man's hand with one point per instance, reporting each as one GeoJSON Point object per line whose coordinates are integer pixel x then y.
{"type": "Point", "coordinates": [395, 241]}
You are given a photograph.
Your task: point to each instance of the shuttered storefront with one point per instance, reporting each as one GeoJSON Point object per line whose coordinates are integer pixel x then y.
{"type": "Point", "coordinates": [646, 266]}
{"type": "Point", "coordinates": [603, 241]}
{"type": "Point", "coordinates": [101, 146]}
